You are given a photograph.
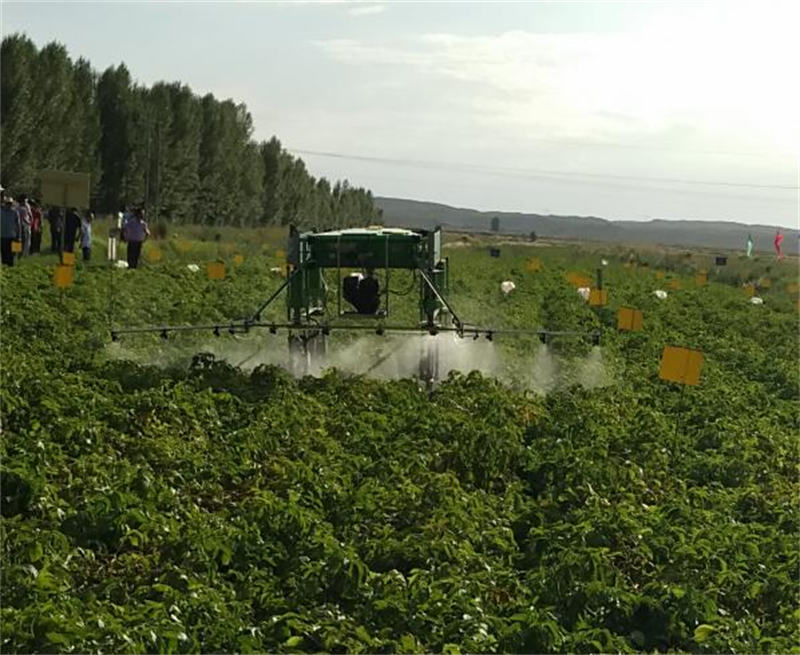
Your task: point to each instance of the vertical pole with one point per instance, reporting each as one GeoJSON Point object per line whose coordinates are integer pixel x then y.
{"type": "Point", "coordinates": [158, 169]}
{"type": "Point", "coordinates": [386, 262]}
{"type": "Point", "coordinates": [149, 164]}
{"type": "Point", "coordinates": [111, 296]}
{"type": "Point", "coordinates": [338, 276]}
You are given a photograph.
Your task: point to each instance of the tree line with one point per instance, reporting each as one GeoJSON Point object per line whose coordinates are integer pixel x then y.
{"type": "Point", "coordinates": [189, 158]}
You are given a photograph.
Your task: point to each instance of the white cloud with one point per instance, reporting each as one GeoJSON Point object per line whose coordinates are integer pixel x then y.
{"type": "Point", "coordinates": [735, 74]}
{"type": "Point", "coordinates": [367, 10]}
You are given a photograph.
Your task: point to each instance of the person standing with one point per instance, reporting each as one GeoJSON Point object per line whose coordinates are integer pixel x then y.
{"type": "Point", "coordinates": [86, 235]}
{"type": "Point", "coordinates": [56, 220]}
{"type": "Point", "coordinates": [10, 230]}
{"type": "Point", "coordinates": [25, 219]}
{"type": "Point", "coordinates": [36, 227]}
{"type": "Point", "coordinates": [72, 225]}
{"type": "Point", "coordinates": [135, 233]}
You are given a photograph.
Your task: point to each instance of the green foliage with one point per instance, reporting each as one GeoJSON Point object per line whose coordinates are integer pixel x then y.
{"type": "Point", "coordinates": [154, 505]}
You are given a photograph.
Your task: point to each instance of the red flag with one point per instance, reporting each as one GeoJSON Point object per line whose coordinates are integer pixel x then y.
{"type": "Point", "coordinates": [778, 241]}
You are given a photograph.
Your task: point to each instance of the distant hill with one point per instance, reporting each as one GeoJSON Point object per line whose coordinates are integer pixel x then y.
{"type": "Point", "coordinates": [724, 235]}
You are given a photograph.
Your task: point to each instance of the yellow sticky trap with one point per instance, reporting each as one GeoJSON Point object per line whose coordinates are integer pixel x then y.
{"type": "Point", "coordinates": [62, 275]}
{"type": "Point", "coordinates": [281, 254]}
{"type": "Point", "coordinates": [578, 280]}
{"type": "Point", "coordinates": [793, 288]}
{"type": "Point", "coordinates": [68, 258]}
{"type": "Point", "coordinates": [598, 297]}
{"type": "Point", "coordinates": [681, 365]}
{"type": "Point", "coordinates": [675, 285]}
{"type": "Point", "coordinates": [701, 279]}
{"type": "Point", "coordinates": [629, 319]}
{"type": "Point", "coordinates": [749, 290]}
{"type": "Point", "coordinates": [765, 283]}
{"type": "Point", "coordinates": [659, 275]}
{"type": "Point", "coordinates": [16, 246]}
{"type": "Point", "coordinates": [215, 270]}
{"type": "Point", "coordinates": [154, 254]}
{"type": "Point", "coordinates": [238, 260]}
{"type": "Point", "coordinates": [534, 265]}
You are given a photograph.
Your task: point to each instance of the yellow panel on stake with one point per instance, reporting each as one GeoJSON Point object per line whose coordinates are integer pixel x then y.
{"type": "Point", "coordinates": [749, 290]}
{"type": "Point", "coordinates": [765, 283]}
{"type": "Point", "coordinates": [65, 188]}
{"type": "Point", "coordinates": [68, 258]}
{"type": "Point", "coordinates": [215, 270]}
{"type": "Point", "coordinates": [534, 265]}
{"type": "Point", "coordinates": [598, 297]}
{"type": "Point", "coordinates": [629, 319]}
{"type": "Point", "coordinates": [238, 260]}
{"type": "Point", "coordinates": [154, 254]}
{"type": "Point", "coordinates": [578, 280]}
{"type": "Point", "coordinates": [675, 285]}
{"type": "Point", "coordinates": [701, 279]}
{"type": "Point", "coordinates": [793, 288]}
{"type": "Point", "coordinates": [62, 275]}
{"type": "Point", "coordinates": [16, 246]}
{"type": "Point", "coordinates": [659, 275]}
{"type": "Point", "coordinates": [681, 365]}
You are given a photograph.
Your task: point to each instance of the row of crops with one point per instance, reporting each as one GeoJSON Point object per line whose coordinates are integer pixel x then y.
{"type": "Point", "coordinates": [156, 499]}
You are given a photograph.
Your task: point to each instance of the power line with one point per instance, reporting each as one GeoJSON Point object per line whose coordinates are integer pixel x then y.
{"type": "Point", "coordinates": [527, 172]}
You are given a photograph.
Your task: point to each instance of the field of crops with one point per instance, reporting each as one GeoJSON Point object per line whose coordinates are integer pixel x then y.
{"type": "Point", "coordinates": [156, 499]}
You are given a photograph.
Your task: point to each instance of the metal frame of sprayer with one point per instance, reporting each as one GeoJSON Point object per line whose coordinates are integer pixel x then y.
{"type": "Point", "coordinates": [308, 319]}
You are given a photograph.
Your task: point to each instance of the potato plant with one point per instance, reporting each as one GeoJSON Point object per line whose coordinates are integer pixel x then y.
{"type": "Point", "coordinates": [159, 499]}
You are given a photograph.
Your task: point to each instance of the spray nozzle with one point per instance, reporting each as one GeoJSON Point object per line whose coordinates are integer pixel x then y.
{"type": "Point", "coordinates": [164, 334]}
{"type": "Point", "coordinates": [273, 329]}
{"type": "Point", "coordinates": [489, 335]}
{"type": "Point", "coordinates": [114, 337]}
{"type": "Point", "coordinates": [544, 337]}
{"type": "Point", "coordinates": [379, 331]}
{"type": "Point", "coordinates": [216, 330]}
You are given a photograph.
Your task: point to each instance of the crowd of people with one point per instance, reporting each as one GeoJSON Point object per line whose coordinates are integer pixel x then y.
{"type": "Point", "coordinates": [22, 223]}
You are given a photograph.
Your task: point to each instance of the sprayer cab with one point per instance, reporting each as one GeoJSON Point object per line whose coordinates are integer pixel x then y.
{"type": "Point", "coordinates": [362, 261]}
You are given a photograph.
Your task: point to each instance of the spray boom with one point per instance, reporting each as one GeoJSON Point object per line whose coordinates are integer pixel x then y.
{"type": "Point", "coordinates": [309, 318]}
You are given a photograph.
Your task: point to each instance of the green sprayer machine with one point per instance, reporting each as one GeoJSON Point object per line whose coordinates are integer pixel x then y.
{"type": "Point", "coordinates": [359, 263]}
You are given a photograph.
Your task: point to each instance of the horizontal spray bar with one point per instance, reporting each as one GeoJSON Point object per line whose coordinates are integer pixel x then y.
{"type": "Point", "coordinates": [244, 327]}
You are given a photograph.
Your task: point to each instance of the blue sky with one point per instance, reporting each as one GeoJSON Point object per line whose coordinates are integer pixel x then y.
{"type": "Point", "coordinates": [620, 110]}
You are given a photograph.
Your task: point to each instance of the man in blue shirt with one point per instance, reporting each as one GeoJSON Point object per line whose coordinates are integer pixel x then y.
{"type": "Point", "coordinates": [10, 230]}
